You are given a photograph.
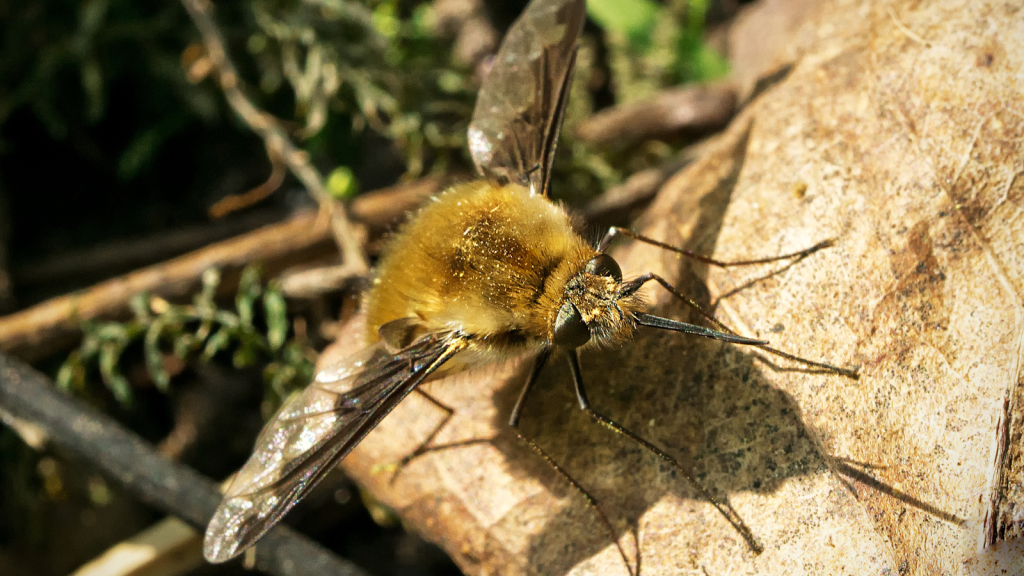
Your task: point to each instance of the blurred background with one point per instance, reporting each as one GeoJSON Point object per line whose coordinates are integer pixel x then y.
{"type": "Point", "coordinates": [121, 151]}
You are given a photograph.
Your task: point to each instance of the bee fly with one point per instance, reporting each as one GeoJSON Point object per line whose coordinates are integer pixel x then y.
{"type": "Point", "coordinates": [489, 269]}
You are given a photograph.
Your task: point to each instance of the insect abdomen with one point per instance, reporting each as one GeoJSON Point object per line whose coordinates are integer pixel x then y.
{"type": "Point", "coordinates": [488, 260]}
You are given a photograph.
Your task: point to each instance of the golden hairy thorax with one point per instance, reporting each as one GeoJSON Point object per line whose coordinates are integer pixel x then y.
{"type": "Point", "coordinates": [492, 262]}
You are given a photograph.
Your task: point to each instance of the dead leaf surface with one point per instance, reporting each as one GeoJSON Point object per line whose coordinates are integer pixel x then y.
{"type": "Point", "coordinates": [900, 133]}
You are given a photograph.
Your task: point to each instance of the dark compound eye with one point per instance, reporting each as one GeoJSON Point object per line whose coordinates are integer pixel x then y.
{"type": "Point", "coordinates": [570, 329]}
{"type": "Point", "coordinates": [604, 265]}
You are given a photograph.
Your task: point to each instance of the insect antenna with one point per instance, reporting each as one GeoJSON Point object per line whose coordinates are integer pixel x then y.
{"type": "Point", "coordinates": [797, 256]}
{"type": "Point", "coordinates": [724, 332]}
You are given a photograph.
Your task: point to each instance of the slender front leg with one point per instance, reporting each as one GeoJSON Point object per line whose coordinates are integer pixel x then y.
{"type": "Point", "coordinates": [724, 509]}
{"type": "Point", "coordinates": [517, 412]}
{"type": "Point", "coordinates": [538, 365]}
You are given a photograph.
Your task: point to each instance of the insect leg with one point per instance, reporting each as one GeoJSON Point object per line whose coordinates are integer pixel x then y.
{"type": "Point", "coordinates": [426, 446]}
{"type": "Point", "coordinates": [635, 284]}
{"type": "Point", "coordinates": [517, 412]}
{"type": "Point", "coordinates": [731, 515]}
{"type": "Point", "coordinates": [616, 230]}
{"type": "Point", "coordinates": [538, 365]}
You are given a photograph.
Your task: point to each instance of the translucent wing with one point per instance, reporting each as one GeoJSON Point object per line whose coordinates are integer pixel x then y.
{"type": "Point", "coordinates": [311, 434]}
{"type": "Point", "coordinates": [522, 101]}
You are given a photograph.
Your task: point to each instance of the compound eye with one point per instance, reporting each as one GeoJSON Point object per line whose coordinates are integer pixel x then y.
{"type": "Point", "coordinates": [604, 265]}
{"type": "Point", "coordinates": [570, 329]}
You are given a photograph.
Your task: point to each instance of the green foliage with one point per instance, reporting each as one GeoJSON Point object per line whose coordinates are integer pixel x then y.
{"type": "Point", "coordinates": [696, 60]}
{"type": "Point", "coordinates": [375, 63]}
{"type": "Point", "coordinates": [652, 46]}
{"type": "Point", "coordinates": [634, 19]}
{"type": "Point", "coordinates": [336, 67]}
{"type": "Point", "coordinates": [60, 59]}
{"type": "Point", "coordinates": [386, 70]}
{"type": "Point", "coordinates": [254, 331]}
{"type": "Point", "coordinates": [348, 65]}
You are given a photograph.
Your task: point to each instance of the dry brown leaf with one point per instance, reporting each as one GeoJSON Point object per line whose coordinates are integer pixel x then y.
{"type": "Point", "coordinates": [759, 34]}
{"type": "Point", "coordinates": [899, 132]}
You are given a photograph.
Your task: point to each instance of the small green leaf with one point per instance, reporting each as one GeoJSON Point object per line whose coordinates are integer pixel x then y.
{"type": "Point", "coordinates": [256, 44]}
{"type": "Point", "coordinates": [695, 60]}
{"type": "Point", "coordinates": [342, 183]}
{"type": "Point", "coordinates": [211, 279]}
{"type": "Point", "coordinates": [91, 17]}
{"type": "Point", "coordinates": [220, 339]}
{"type": "Point", "coordinates": [277, 318]}
{"type": "Point", "coordinates": [155, 357]}
{"type": "Point", "coordinates": [112, 332]}
{"type": "Point", "coordinates": [146, 144]}
{"type": "Point", "coordinates": [279, 378]}
{"type": "Point", "coordinates": [92, 87]}
{"type": "Point", "coordinates": [110, 354]}
{"type": "Point", "coordinates": [385, 19]}
{"type": "Point", "coordinates": [69, 370]}
{"type": "Point", "coordinates": [139, 154]}
{"type": "Point", "coordinates": [90, 344]}
{"type": "Point", "coordinates": [185, 344]}
{"type": "Point", "coordinates": [248, 291]}
{"type": "Point", "coordinates": [423, 22]}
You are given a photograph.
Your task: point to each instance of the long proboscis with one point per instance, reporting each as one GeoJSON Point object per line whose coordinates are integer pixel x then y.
{"type": "Point", "coordinates": [677, 326]}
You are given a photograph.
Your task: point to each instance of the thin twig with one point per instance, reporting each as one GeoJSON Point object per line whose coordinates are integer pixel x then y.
{"type": "Point", "coordinates": [274, 135]}
{"type": "Point", "coordinates": [49, 326]}
{"type": "Point", "coordinates": [169, 547]}
{"type": "Point", "coordinates": [45, 328]}
{"type": "Point", "coordinates": [120, 454]}
{"type": "Point", "coordinates": [665, 113]}
{"type": "Point", "coordinates": [236, 202]}
{"type": "Point", "coordinates": [123, 255]}
{"type": "Point", "coordinates": [637, 191]}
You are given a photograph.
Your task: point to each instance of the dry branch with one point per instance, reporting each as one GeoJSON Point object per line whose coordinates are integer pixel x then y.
{"type": "Point", "coordinates": [50, 326]}
{"type": "Point", "coordinates": [43, 329]}
{"type": "Point", "coordinates": [123, 456]}
{"type": "Point", "coordinates": [669, 112]}
{"type": "Point", "coordinates": [638, 190]}
{"type": "Point", "coordinates": [167, 548]}
{"type": "Point", "coordinates": [116, 257]}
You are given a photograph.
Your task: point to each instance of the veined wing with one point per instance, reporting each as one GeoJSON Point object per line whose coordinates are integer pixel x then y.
{"type": "Point", "coordinates": [311, 434]}
{"type": "Point", "coordinates": [519, 111]}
